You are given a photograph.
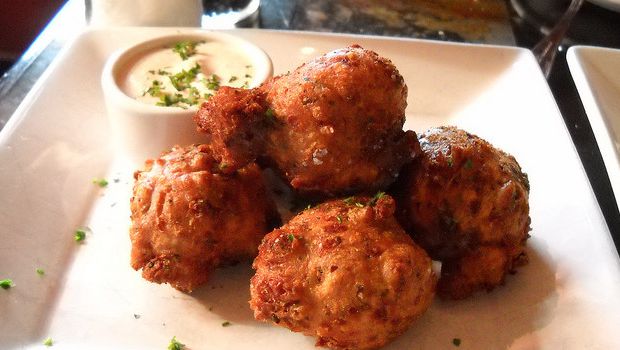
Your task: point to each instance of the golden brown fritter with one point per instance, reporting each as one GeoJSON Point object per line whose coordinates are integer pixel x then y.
{"type": "Point", "coordinates": [187, 219]}
{"type": "Point", "coordinates": [466, 203]}
{"type": "Point", "coordinates": [344, 272]}
{"type": "Point", "coordinates": [332, 126]}
{"type": "Point", "coordinates": [235, 120]}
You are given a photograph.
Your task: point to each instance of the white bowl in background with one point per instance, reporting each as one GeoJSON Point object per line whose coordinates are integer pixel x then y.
{"type": "Point", "coordinates": [143, 130]}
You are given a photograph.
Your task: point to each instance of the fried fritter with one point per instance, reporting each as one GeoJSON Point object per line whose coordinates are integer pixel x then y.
{"type": "Point", "coordinates": [332, 126]}
{"type": "Point", "coordinates": [344, 272]}
{"type": "Point", "coordinates": [187, 219]}
{"type": "Point", "coordinates": [466, 203]}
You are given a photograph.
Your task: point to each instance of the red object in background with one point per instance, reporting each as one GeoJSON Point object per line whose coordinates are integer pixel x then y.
{"type": "Point", "coordinates": [20, 23]}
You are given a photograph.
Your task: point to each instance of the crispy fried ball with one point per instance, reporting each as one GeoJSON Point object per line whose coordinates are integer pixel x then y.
{"type": "Point", "coordinates": [466, 203]}
{"type": "Point", "coordinates": [332, 126]}
{"type": "Point", "coordinates": [344, 272]}
{"type": "Point", "coordinates": [187, 219]}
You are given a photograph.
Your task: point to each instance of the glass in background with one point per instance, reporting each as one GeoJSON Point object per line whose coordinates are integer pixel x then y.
{"type": "Point", "coordinates": [178, 13]}
{"type": "Point", "coordinates": [227, 14]}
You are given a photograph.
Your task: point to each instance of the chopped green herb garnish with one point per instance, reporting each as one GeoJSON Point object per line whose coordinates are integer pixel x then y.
{"type": "Point", "coordinates": [232, 79]}
{"type": "Point", "coordinates": [376, 197]}
{"type": "Point", "coordinates": [168, 100]}
{"type": "Point", "coordinates": [450, 161]}
{"type": "Point", "coordinates": [468, 164]}
{"type": "Point", "coordinates": [48, 342]}
{"type": "Point", "coordinates": [353, 201]}
{"type": "Point", "coordinates": [40, 272]}
{"type": "Point", "coordinates": [6, 283]}
{"type": "Point", "coordinates": [194, 96]}
{"type": "Point", "coordinates": [339, 218]}
{"type": "Point", "coordinates": [80, 235]}
{"type": "Point", "coordinates": [213, 83]}
{"type": "Point", "coordinates": [248, 76]}
{"type": "Point", "coordinates": [175, 344]}
{"type": "Point", "coordinates": [226, 324]}
{"type": "Point", "coordinates": [290, 237]}
{"type": "Point", "coordinates": [245, 85]}
{"type": "Point", "coordinates": [101, 182]}
{"type": "Point", "coordinates": [185, 48]}
{"type": "Point", "coordinates": [456, 341]}
{"type": "Point", "coordinates": [162, 72]}
{"type": "Point", "coordinates": [154, 90]}
{"type": "Point", "coordinates": [223, 165]}
{"type": "Point", "coordinates": [207, 96]}
{"type": "Point", "coordinates": [181, 80]}
{"type": "Point", "coordinates": [151, 71]}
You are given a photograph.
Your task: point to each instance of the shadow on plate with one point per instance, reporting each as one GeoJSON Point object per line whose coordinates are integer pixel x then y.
{"type": "Point", "coordinates": [227, 293]}
{"type": "Point", "coordinates": [507, 316]}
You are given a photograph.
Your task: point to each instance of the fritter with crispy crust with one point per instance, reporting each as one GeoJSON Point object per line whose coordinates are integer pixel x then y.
{"type": "Point", "coordinates": [344, 272]}
{"type": "Point", "coordinates": [187, 219]}
{"type": "Point", "coordinates": [466, 203]}
{"type": "Point", "coordinates": [332, 126]}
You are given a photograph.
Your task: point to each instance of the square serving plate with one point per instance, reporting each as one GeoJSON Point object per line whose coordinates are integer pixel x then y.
{"type": "Point", "coordinates": [89, 298]}
{"type": "Point", "coordinates": [596, 72]}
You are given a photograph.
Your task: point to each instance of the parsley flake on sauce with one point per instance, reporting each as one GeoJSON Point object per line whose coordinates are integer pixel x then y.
{"type": "Point", "coordinates": [6, 283]}
{"type": "Point", "coordinates": [40, 271]}
{"type": "Point", "coordinates": [175, 344]}
{"type": "Point", "coordinates": [154, 90]}
{"type": "Point", "coordinates": [212, 83]}
{"type": "Point", "coordinates": [290, 237]}
{"type": "Point", "coordinates": [185, 48]}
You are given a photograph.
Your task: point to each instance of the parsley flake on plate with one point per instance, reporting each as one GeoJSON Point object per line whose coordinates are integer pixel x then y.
{"type": "Point", "coordinates": [175, 344]}
{"type": "Point", "coordinates": [40, 271]}
{"type": "Point", "coordinates": [48, 341]}
{"type": "Point", "coordinates": [80, 235]}
{"type": "Point", "coordinates": [226, 324]}
{"type": "Point", "coordinates": [6, 283]}
{"type": "Point", "coordinates": [101, 182]}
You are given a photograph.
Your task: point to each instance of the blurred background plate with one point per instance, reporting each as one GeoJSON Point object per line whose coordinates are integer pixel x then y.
{"type": "Point", "coordinates": [613, 5]}
{"type": "Point", "coordinates": [596, 72]}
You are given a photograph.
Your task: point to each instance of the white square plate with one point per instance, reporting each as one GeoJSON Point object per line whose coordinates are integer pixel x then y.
{"type": "Point", "coordinates": [89, 297]}
{"type": "Point", "coordinates": [596, 72]}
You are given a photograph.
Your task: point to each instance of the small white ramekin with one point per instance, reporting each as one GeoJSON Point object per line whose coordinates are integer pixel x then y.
{"type": "Point", "coordinates": [141, 130]}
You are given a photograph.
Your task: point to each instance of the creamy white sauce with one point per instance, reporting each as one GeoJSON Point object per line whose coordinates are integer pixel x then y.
{"type": "Point", "coordinates": [149, 79]}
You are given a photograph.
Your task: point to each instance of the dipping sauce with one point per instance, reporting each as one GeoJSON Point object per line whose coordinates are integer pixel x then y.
{"type": "Point", "coordinates": [187, 73]}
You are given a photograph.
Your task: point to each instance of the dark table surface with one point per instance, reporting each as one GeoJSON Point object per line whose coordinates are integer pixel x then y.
{"type": "Point", "coordinates": [529, 19]}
